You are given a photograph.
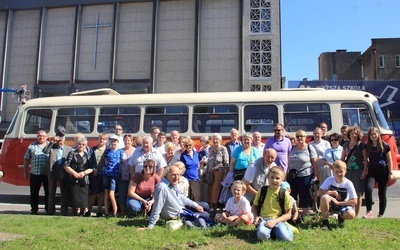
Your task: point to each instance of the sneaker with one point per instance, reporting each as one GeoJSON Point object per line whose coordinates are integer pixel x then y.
{"type": "Point", "coordinates": [325, 226]}
{"type": "Point", "coordinates": [99, 214]}
{"type": "Point", "coordinates": [88, 214]}
{"type": "Point", "coordinates": [368, 215]}
{"type": "Point", "coordinates": [340, 221]}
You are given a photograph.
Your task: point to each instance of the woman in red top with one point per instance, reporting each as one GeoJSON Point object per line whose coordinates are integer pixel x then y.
{"type": "Point", "coordinates": [141, 188]}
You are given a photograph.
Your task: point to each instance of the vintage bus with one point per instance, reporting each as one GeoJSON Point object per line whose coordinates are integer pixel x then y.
{"type": "Point", "coordinates": [194, 114]}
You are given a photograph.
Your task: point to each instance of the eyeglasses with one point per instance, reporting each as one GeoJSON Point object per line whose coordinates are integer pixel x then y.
{"type": "Point", "coordinates": [277, 130]}
{"type": "Point", "coordinates": [292, 139]}
{"type": "Point", "coordinates": [300, 136]}
{"type": "Point", "coordinates": [147, 166]}
{"type": "Point", "coordinates": [334, 139]}
{"type": "Point", "coordinates": [118, 129]}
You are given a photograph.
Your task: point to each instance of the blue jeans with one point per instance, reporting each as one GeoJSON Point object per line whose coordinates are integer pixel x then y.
{"type": "Point", "coordinates": [281, 231]}
{"type": "Point", "coordinates": [122, 191]}
{"type": "Point", "coordinates": [134, 205]}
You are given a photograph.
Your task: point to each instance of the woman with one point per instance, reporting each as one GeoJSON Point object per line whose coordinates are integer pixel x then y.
{"type": "Point", "coordinates": [77, 165]}
{"type": "Point", "coordinates": [141, 188]}
{"type": "Point", "coordinates": [190, 158]}
{"type": "Point", "coordinates": [169, 156]}
{"type": "Point", "coordinates": [218, 164]}
{"type": "Point", "coordinates": [292, 139]}
{"type": "Point", "coordinates": [302, 168]}
{"type": "Point", "coordinates": [243, 156]}
{"type": "Point", "coordinates": [124, 171]}
{"type": "Point", "coordinates": [203, 152]}
{"type": "Point", "coordinates": [355, 155]}
{"type": "Point", "coordinates": [330, 156]}
{"type": "Point", "coordinates": [379, 170]}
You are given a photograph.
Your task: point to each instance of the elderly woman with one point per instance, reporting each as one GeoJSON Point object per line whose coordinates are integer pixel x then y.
{"type": "Point", "coordinates": [124, 171]}
{"type": "Point", "coordinates": [190, 158]}
{"type": "Point", "coordinates": [169, 155]}
{"type": "Point", "coordinates": [77, 165]}
{"type": "Point", "coordinates": [141, 188]}
{"type": "Point", "coordinates": [355, 155]}
{"type": "Point", "coordinates": [218, 164]}
{"type": "Point", "coordinates": [302, 167]}
{"type": "Point", "coordinates": [243, 156]}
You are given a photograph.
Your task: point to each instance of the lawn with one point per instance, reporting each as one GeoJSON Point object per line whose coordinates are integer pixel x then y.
{"type": "Point", "coordinates": [55, 232]}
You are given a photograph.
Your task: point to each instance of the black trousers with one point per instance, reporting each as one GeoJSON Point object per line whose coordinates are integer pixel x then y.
{"type": "Point", "coordinates": [376, 175]}
{"type": "Point", "coordinates": [35, 183]}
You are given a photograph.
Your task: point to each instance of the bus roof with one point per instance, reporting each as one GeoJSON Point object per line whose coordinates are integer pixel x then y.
{"type": "Point", "coordinates": [292, 95]}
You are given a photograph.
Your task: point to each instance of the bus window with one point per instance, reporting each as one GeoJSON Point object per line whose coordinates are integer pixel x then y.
{"type": "Point", "coordinates": [37, 119]}
{"type": "Point", "coordinates": [215, 118]}
{"type": "Point", "coordinates": [306, 116]}
{"type": "Point", "coordinates": [357, 114]}
{"type": "Point", "coordinates": [166, 118]}
{"type": "Point", "coordinates": [75, 120]}
{"type": "Point", "coordinates": [260, 118]}
{"type": "Point", "coordinates": [127, 117]}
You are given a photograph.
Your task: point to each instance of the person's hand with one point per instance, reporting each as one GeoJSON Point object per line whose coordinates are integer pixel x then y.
{"type": "Point", "coordinates": [335, 201]}
{"type": "Point", "coordinates": [270, 223]}
{"type": "Point", "coordinates": [148, 205]}
{"type": "Point", "coordinates": [200, 209]}
{"type": "Point", "coordinates": [363, 175]}
{"type": "Point", "coordinates": [26, 176]}
{"type": "Point", "coordinates": [257, 220]}
{"type": "Point", "coordinates": [143, 228]}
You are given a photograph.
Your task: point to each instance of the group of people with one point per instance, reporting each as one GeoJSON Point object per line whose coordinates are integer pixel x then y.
{"type": "Point", "coordinates": [238, 182]}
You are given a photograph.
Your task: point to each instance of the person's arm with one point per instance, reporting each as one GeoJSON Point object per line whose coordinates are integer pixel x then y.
{"type": "Point", "coordinates": [365, 161]}
{"type": "Point", "coordinates": [249, 188]}
{"type": "Point", "coordinates": [295, 212]}
{"type": "Point", "coordinates": [284, 217]}
{"type": "Point", "coordinates": [254, 210]}
{"type": "Point", "coordinates": [232, 164]}
{"type": "Point", "coordinates": [26, 166]}
{"type": "Point", "coordinates": [71, 171]}
{"type": "Point", "coordinates": [390, 165]}
{"type": "Point", "coordinates": [343, 158]}
{"type": "Point", "coordinates": [350, 202]}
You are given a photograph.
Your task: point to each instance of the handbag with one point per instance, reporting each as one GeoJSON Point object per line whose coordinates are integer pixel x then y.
{"type": "Point", "coordinates": [208, 177]}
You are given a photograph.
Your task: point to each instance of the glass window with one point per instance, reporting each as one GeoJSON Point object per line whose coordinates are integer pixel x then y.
{"type": "Point", "coordinates": [357, 114]}
{"type": "Point", "coordinates": [260, 16]}
{"type": "Point", "coordinates": [381, 61]}
{"type": "Point", "coordinates": [380, 116]}
{"type": "Point", "coordinates": [75, 120]}
{"type": "Point", "coordinates": [166, 118]}
{"type": "Point", "coordinates": [127, 117]}
{"type": "Point", "coordinates": [12, 124]}
{"type": "Point", "coordinates": [306, 116]}
{"type": "Point", "coordinates": [215, 118]}
{"type": "Point", "coordinates": [397, 61]}
{"type": "Point", "coordinates": [37, 119]}
{"type": "Point", "coordinates": [260, 118]}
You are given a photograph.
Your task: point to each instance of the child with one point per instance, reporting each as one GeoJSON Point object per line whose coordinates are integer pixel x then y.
{"type": "Point", "coordinates": [113, 156]}
{"type": "Point", "coordinates": [337, 192]}
{"type": "Point", "coordinates": [271, 217]}
{"type": "Point", "coordinates": [237, 208]}
{"type": "Point", "coordinates": [295, 209]}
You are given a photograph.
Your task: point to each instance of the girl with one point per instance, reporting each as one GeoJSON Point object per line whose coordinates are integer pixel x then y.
{"type": "Point", "coordinates": [237, 208]}
{"type": "Point", "coordinates": [379, 170]}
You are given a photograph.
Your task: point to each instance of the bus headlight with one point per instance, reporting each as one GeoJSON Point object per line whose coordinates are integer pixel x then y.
{"type": "Point", "coordinates": [1, 174]}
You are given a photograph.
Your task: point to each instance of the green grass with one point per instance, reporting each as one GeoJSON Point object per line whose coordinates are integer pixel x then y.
{"type": "Point", "coordinates": [53, 232]}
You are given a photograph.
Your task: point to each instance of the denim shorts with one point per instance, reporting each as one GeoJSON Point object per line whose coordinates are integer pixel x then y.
{"type": "Point", "coordinates": [110, 183]}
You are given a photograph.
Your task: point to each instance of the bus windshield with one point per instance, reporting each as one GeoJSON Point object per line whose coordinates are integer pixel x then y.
{"type": "Point", "coordinates": [380, 116]}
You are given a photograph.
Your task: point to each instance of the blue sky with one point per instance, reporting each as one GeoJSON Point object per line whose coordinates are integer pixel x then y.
{"type": "Point", "coordinates": [311, 27]}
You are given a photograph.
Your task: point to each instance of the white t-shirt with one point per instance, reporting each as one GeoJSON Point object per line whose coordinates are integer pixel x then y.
{"type": "Point", "coordinates": [237, 209]}
{"type": "Point", "coordinates": [345, 189]}
{"type": "Point", "coordinates": [320, 149]}
{"type": "Point", "coordinates": [139, 157]}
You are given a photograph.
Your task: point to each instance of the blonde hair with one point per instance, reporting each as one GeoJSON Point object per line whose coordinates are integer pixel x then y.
{"type": "Point", "coordinates": [338, 164]}
{"type": "Point", "coordinates": [241, 184]}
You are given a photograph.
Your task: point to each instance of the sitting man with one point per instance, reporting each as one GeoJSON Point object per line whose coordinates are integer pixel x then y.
{"type": "Point", "coordinates": [169, 202]}
{"type": "Point", "coordinates": [337, 192]}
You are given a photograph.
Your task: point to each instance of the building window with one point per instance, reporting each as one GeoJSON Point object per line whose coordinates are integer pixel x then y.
{"type": "Point", "coordinates": [260, 16]}
{"type": "Point", "coordinates": [260, 59]}
{"type": "Point", "coordinates": [397, 61]}
{"type": "Point", "coordinates": [381, 61]}
{"type": "Point", "coordinates": [260, 87]}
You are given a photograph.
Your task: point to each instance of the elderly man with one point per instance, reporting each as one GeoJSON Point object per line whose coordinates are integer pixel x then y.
{"type": "Point", "coordinates": [256, 175]}
{"type": "Point", "coordinates": [58, 152]}
{"type": "Point", "coordinates": [169, 202]}
{"type": "Point", "coordinates": [147, 151]}
{"type": "Point", "coordinates": [174, 137]}
{"type": "Point", "coordinates": [37, 177]}
{"type": "Point", "coordinates": [282, 146]}
{"type": "Point", "coordinates": [233, 143]}
{"type": "Point", "coordinates": [257, 142]}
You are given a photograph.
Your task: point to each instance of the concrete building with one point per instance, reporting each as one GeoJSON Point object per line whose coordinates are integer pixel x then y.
{"type": "Point", "coordinates": [381, 61]}
{"type": "Point", "coordinates": [138, 46]}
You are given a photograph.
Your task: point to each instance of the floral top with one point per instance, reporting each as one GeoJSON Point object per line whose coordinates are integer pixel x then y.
{"type": "Point", "coordinates": [217, 157]}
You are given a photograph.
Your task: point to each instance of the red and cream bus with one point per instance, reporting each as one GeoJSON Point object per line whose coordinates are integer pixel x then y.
{"type": "Point", "coordinates": [194, 114]}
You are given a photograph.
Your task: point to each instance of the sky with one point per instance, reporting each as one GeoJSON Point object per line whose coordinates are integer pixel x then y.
{"type": "Point", "coordinates": [312, 27]}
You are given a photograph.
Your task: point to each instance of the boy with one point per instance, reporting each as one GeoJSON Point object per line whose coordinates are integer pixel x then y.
{"type": "Point", "coordinates": [295, 209]}
{"type": "Point", "coordinates": [271, 217]}
{"type": "Point", "coordinates": [337, 192]}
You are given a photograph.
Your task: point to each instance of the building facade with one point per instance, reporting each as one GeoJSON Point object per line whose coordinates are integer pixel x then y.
{"type": "Point", "coordinates": [138, 46]}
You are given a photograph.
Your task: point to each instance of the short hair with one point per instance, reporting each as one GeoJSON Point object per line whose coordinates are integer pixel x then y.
{"type": "Point", "coordinates": [300, 132]}
{"type": "Point", "coordinates": [104, 135]}
{"type": "Point", "coordinates": [241, 184]}
{"type": "Point", "coordinates": [339, 164]}
{"type": "Point", "coordinates": [148, 137]}
{"type": "Point", "coordinates": [278, 171]}
{"type": "Point", "coordinates": [344, 127]}
{"type": "Point", "coordinates": [162, 133]}
{"type": "Point", "coordinates": [169, 145]}
{"type": "Point", "coordinates": [278, 124]}
{"type": "Point", "coordinates": [153, 128]}
{"type": "Point", "coordinates": [233, 130]}
{"type": "Point", "coordinates": [128, 136]}
{"type": "Point", "coordinates": [205, 138]}
{"type": "Point", "coordinates": [219, 137]}
{"type": "Point", "coordinates": [80, 140]}
{"type": "Point", "coordinates": [335, 135]}
{"type": "Point", "coordinates": [247, 135]}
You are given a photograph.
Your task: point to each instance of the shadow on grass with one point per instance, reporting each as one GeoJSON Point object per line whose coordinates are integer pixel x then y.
{"type": "Point", "coordinates": [134, 222]}
{"type": "Point", "coordinates": [247, 234]}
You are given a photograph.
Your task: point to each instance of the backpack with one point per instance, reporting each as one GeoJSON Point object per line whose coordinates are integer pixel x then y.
{"type": "Point", "coordinates": [281, 197]}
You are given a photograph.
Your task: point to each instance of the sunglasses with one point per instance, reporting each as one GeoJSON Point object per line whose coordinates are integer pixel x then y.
{"type": "Point", "coordinates": [147, 166]}
{"type": "Point", "coordinates": [334, 139]}
{"type": "Point", "coordinates": [300, 136]}
{"type": "Point", "coordinates": [277, 130]}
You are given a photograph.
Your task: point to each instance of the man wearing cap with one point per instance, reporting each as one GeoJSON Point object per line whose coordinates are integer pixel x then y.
{"type": "Point", "coordinates": [58, 152]}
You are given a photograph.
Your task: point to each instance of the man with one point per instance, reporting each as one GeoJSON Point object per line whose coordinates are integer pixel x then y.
{"type": "Point", "coordinates": [234, 143]}
{"type": "Point", "coordinates": [147, 151]}
{"type": "Point", "coordinates": [154, 131]}
{"type": "Point", "coordinates": [169, 202]}
{"type": "Point", "coordinates": [35, 155]}
{"type": "Point", "coordinates": [324, 128]}
{"type": "Point", "coordinates": [256, 175]}
{"type": "Point", "coordinates": [58, 152]}
{"type": "Point", "coordinates": [118, 132]}
{"type": "Point", "coordinates": [320, 145]}
{"type": "Point", "coordinates": [282, 146]}
{"type": "Point", "coordinates": [174, 137]}
{"type": "Point", "coordinates": [257, 142]}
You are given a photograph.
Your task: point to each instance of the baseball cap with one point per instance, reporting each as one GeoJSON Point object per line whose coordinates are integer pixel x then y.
{"type": "Point", "coordinates": [114, 137]}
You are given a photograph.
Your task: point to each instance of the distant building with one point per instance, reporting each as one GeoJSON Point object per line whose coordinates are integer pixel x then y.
{"type": "Point", "coordinates": [381, 61]}
{"type": "Point", "coordinates": [138, 46]}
